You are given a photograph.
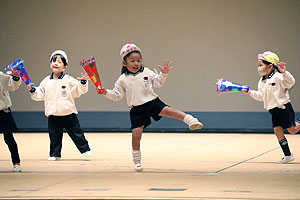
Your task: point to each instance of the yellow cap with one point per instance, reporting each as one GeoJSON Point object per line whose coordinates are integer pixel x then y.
{"type": "Point", "coordinates": [269, 56]}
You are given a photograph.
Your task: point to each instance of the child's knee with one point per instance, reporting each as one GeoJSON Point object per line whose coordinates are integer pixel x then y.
{"type": "Point", "coordinates": [136, 136]}
{"type": "Point", "coordinates": [292, 130]}
{"type": "Point", "coordinates": [137, 133]}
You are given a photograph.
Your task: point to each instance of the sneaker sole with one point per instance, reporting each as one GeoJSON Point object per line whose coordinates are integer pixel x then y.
{"type": "Point", "coordinates": [280, 162]}
{"type": "Point", "coordinates": [57, 158]}
{"type": "Point", "coordinates": [195, 126]}
{"type": "Point", "coordinates": [138, 170]}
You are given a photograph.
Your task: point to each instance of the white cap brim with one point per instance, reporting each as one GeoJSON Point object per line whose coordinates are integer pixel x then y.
{"type": "Point", "coordinates": [61, 52]}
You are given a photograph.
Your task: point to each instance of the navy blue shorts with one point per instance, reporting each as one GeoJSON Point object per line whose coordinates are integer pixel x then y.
{"type": "Point", "coordinates": [141, 115]}
{"type": "Point", "coordinates": [283, 117]}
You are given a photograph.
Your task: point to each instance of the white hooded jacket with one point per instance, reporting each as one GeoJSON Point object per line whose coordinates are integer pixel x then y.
{"type": "Point", "coordinates": [274, 90]}
{"type": "Point", "coordinates": [137, 87]}
{"type": "Point", "coordinates": [59, 93]}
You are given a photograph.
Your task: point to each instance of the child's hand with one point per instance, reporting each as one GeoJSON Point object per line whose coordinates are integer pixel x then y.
{"type": "Point", "coordinates": [167, 67]}
{"type": "Point", "coordinates": [83, 77]}
{"type": "Point", "coordinates": [282, 67]}
{"type": "Point", "coordinates": [245, 91]}
{"type": "Point", "coordinates": [15, 73]}
{"type": "Point", "coordinates": [31, 89]}
{"type": "Point", "coordinates": [28, 87]}
{"type": "Point", "coordinates": [103, 91]}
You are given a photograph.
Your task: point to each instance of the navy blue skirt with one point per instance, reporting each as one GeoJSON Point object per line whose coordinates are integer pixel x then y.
{"type": "Point", "coordinates": [141, 115]}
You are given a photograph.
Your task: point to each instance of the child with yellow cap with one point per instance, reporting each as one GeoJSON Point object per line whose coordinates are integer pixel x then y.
{"type": "Point", "coordinates": [273, 90]}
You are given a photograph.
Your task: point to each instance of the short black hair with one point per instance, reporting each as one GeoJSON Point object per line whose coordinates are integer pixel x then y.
{"type": "Point", "coordinates": [63, 59]}
{"type": "Point", "coordinates": [266, 62]}
{"type": "Point", "coordinates": [269, 63]}
{"type": "Point", "coordinates": [124, 70]}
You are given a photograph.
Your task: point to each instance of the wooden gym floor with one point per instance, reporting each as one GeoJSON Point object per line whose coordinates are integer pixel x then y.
{"type": "Point", "coordinates": [176, 166]}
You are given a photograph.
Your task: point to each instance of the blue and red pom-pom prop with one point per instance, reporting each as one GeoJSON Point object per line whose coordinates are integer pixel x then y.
{"type": "Point", "coordinates": [227, 86]}
{"type": "Point", "coordinates": [18, 65]}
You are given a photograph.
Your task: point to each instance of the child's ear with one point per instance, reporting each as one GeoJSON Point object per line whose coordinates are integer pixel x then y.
{"type": "Point", "coordinates": [124, 63]}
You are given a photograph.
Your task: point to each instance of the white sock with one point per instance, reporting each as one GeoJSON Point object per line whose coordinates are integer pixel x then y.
{"type": "Point", "coordinates": [137, 156]}
{"type": "Point", "coordinates": [188, 119]}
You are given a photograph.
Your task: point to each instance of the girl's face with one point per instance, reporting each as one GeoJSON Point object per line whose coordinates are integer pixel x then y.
{"type": "Point", "coordinates": [263, 69]}
{"type": "Point", "coordinates": [57, 66]}
{"type": "Point", "coordinates": [133, 62]}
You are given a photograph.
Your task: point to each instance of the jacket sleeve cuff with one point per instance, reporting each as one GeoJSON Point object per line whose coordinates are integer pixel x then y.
{"type": "Point", "coordinates": [15, 78]}
{"type": "Point", "coordinates": [32, 90]}
{"type": "Point", "coordinates": [83, 82]}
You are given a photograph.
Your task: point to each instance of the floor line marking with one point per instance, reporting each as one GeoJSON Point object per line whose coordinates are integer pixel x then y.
{"type": "Point", "coordinates": [236, 164]}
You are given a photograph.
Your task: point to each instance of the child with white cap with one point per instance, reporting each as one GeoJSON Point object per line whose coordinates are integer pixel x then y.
{"type": "Point", "coordinates": [137, 82]}
{"type": "Point", "coordinates": [273, 90]}
{"type": "Point", "coordinates": [7, 124]}
{"type": "Point", "coordinates": [58, 91]}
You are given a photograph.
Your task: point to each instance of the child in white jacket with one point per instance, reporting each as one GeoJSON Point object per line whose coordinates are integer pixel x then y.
{"type": "Point", "coordinates": [58, 91]}
{"type": "Point", "coordinates": [7, 124]}
{"type": "Point", "coordinates": [273, 90]}
{"type": "Point", "coordinates": [137, 83]}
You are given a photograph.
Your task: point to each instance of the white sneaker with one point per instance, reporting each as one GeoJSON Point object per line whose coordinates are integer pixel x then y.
{"type": "Point", "coordinates": [195, 125]}
{"type": "Point", "coordinates": [138, 167]}
{"type": "Point", "coordinates": [87, 153]}
{"type": "Point", "coordinates": [286, 159]}
{"type": "Point", "coordinates": [17, 168]}
{"type": "Point", "coordinates": [53, 158]}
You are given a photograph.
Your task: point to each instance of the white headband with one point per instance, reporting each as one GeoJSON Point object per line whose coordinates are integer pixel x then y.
{"type": "Point", "coordinates": [61, 52]}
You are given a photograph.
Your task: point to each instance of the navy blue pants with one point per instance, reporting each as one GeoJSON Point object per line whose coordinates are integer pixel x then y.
{"type": "Point", "coordinates": [7, 127]}
{"type": "Point", "coordinates": [70, 123]}
{"type": "Point", "coordinates": [12, 146]}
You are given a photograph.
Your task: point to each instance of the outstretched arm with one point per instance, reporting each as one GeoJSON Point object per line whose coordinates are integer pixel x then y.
{"type": "Point", "coordinates": [79, 86]}
{"type": "Point", "coordinates": [11, 82]}
{"type": "Point", "coordinates": [288, 80]}
{"type": "Point", "coordinates": [115, 94]}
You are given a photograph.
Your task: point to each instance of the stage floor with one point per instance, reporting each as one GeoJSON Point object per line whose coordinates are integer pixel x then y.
{"type": "Point", "coordinates": [176, 166]}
